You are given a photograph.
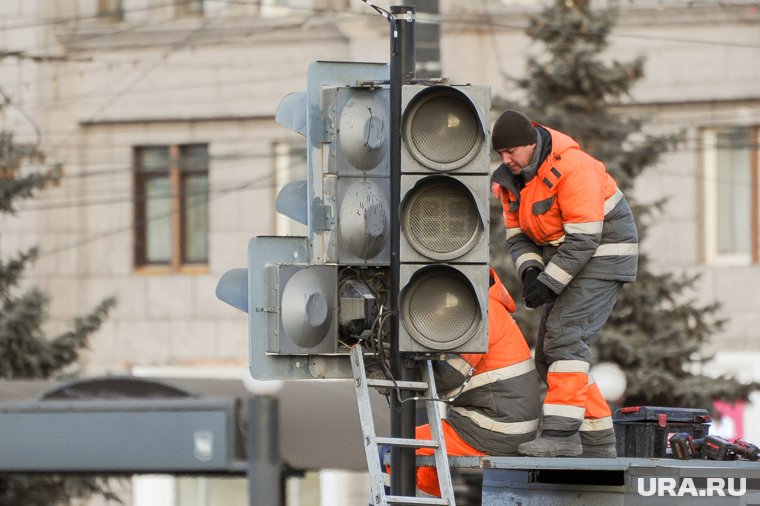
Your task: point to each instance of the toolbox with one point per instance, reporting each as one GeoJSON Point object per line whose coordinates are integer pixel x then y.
{"type": "Point", "coordinates": [645, 431]}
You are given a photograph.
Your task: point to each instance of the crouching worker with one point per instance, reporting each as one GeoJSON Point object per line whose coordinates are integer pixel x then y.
{"type": "Point", "coordinates": [499, 407]}
{"type": "Point", "coordinates": [573, 239]}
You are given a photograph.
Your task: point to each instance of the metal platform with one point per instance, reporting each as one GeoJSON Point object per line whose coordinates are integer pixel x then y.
{"type": "Point", "coordinates": [628, 481]}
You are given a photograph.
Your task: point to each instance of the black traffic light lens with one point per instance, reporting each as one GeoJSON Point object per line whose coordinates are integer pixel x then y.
{"type": "Point", "coordinates": [442, 129]}
{"type": "Point", "coordinates": [440, 219]}
{"type": "Point", "coordinates": [440, 309]}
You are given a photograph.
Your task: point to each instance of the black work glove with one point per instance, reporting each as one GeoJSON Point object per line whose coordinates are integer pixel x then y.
{"type": "Point", "coordinates": [529, 279]}
{"type": "Point", "coordinates": [538, 294]}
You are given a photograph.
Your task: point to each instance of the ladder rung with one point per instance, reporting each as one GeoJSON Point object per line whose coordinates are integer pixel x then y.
{"type": "Point", "coordinates": [402, 499]}
{"type": "Point", "coordinates": [407, 443]}
{"type": "Point", "coordinates": [402, 385]}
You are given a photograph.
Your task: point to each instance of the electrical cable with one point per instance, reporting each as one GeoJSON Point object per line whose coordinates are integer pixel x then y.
{"type": "Point", "coordinates": [391, 17]}
{"type": "Point", "coordinates": [137, 223]}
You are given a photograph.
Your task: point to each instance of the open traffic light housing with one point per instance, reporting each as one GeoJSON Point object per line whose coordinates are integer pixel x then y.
{"type": "Point", "coordinates": [445, 181]}
{"type": "Point", "coordinates": [319, 305]}
{"type": "Point", "coordinates": [308, 298]}
{"type": "Point", "coordinates": [356, 180]}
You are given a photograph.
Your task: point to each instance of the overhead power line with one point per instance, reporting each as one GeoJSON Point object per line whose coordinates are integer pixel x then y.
{"type": "Point", "coordinates": [128, 228]}
{"type": "Point", "coordinates": [449, 19]}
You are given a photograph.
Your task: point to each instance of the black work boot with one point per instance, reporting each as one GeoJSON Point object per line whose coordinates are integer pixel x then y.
{"type": "Point", "coordinates": [598, 444]}
{"type": "Point", "coordinates": [553, 443]}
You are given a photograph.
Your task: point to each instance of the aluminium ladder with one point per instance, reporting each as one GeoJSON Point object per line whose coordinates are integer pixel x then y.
{"type": "Point", "coordinates": [372, 441]}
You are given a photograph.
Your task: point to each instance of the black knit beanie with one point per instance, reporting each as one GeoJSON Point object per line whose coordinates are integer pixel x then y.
{"type": "Point", "coordinates": [512, 129]}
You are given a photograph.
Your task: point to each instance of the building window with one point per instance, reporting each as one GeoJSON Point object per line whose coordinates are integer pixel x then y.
{"type": "Point", "coordinates": [171, 205]}
{"type": "Point", "coordinates": [189, 7]}
{"type": "Point", "coordinates": [290, 165]}
{"type": "Point", "coordinates": [111, 10]}
{"type": "Point", "coordinates": [731, 195]}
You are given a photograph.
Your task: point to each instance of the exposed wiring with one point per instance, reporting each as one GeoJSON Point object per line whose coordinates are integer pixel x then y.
{"type": "Point", "coordinates": [376, 346]}
{"type": "Point", "coordinates": [449, 399]}
{"type": "Point", "coordinates": [391, 19]}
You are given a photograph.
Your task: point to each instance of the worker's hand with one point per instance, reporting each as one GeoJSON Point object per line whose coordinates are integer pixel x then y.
{"type": "Point", "coordinates": [538, 294]}
{"type": "Point", "coordinates": [529, 279]}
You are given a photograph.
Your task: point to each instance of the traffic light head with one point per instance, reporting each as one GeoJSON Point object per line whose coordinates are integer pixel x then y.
{"type": "Point", "coordinates": [356, 180]}
{"type": "Point", "coordinates": [302, 299]}
{"type": "Point", "coordinates": [442, 308]}
{"type": "Point", "coordinates": [443, 219]}
{"type": "Point", "coordinates": [444, 129]}
{"type": "Point", "coordinates": [445, 183]}
{"type": "Point", "coordinates": [307, 294]}
{"type": "Point", "coordinates": [307, 316]}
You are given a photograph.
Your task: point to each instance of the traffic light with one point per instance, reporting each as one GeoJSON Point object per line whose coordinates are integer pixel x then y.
{"type": "Point", "coordinates": [357, 177]}
{"type": "Point", "coordinates": [445, 182]}
{"type": "Point", "coordinates": [308, 298]}
{"type": "Point", "coordinates": [319, 307]}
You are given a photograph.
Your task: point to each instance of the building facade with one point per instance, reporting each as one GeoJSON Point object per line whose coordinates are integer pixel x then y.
{"type": "Point", "coordinates": [159, 114]}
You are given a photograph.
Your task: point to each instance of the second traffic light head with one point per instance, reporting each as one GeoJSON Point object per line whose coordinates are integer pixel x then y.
{"type": "Point", "coordinates": [357, 180]}
{"type": "Point", "coordinates": [443, 308]}
{"type": "Point", "coordinates": [443, 249]}
{"type": "Point", "coordinates": [444, 219]}
{"type": "Point", "coordinates": [444, 129]}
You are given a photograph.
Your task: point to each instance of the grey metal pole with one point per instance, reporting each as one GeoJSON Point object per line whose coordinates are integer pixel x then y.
{"type": "Point", "coordinates": [402, 63]}
{"type": "Point", "coordinates": [264, 466]}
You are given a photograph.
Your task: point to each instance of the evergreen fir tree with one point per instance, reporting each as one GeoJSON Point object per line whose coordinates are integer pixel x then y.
{"type": "Point", "coordinates": [26, 352]}
{"type": "Point", "coordinates": [657, 332]}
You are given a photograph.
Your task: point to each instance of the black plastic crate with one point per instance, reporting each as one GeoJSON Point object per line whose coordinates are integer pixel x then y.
{"type": "Point", "coordinates": [644, 431]}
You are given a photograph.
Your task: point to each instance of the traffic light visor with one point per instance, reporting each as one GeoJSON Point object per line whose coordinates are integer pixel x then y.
{"type": "Point", "coordinates": [364, 220]}
{"type": "Point", "coordinates": [441, 219]}
{"type": "Point", "coordinates": [442, 129]}
{"type": "Point", "coordinates": [363, 130]}
{"type": "Point", "coordinates": [440, 308]}
{"type": "Point", "coordinates": [305, 298]}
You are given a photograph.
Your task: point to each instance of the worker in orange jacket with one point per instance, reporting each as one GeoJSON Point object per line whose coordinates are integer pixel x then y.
{"type": "Point", "coordinates": [499, 407]}
{"type": "Point", "coordinates": [572, 237]}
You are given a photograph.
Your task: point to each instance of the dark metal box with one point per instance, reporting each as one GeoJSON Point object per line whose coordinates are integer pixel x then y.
{"type": "Point", "coordinates": [645, 431]}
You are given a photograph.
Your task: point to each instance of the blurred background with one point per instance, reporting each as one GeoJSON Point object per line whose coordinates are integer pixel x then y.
{"type": "Point", "coordinates": [149, 127]}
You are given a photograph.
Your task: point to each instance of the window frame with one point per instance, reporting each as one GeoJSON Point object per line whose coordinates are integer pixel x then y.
{"type": "Point", "coordinates": [177, 217]}
{"type": "Point", "coordinates": [189, 7]}
{"type": "Point", "coordinates": [709, 177]}
{"type": "Point", "coordinates": [112, 10]}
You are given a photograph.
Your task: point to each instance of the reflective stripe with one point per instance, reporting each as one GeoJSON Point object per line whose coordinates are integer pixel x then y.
{"type": "Point", "coordinates": [591, 227]}
{"type": "Point", "coordinates": [461, 365]}
{"type": "Point", "coordinates": [484, 422]}
{"type": "Point", "coordinates": [569, 366]}
{"type": "Point", "coordinates": [574, 412]}
{"type": "Point", "coordinates": [511, 232]}
{"type": "Point", "coordinates": [611, 202]}
{"type": "Point", "coordinates": [590, 424]}
{"type": "Point", "coordinates": [557, 242]}
{"type": "Point", "coordinates": [528, 257]}
{"type": "Point", "coordinates": [500, 374]}
{"type": "Point", "coordinates": [560, 275]}
{"type": "Point", "coordinates": [617, 249]}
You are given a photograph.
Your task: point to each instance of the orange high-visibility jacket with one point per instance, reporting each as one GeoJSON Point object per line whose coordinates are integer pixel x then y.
{"type": "Point", "coordinates": [498, 408]}
{"type": "Point", "coordinates": [569, 219]}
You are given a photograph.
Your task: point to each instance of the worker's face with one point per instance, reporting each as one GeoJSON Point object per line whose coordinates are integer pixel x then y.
{"type": "Point", "coordinates": [516, 159]}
